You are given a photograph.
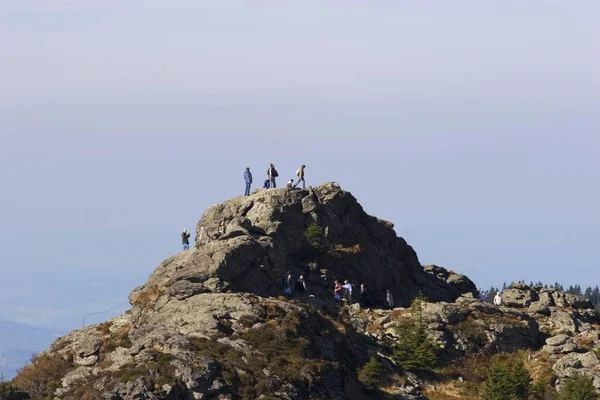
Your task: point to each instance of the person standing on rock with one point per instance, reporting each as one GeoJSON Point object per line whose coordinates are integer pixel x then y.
{"type": "Point", "coordinates": [300, 175]}
{"type": "Point", "coordinates": [337, 291]}
{"type": "Point", "coordinates": [185, 239]}
{"type": "Point", "coordinates": [272, 174]}
{"type": "Point", "coordinates": [390, 299]}
{"type": "Point", "coordinates": [364, 300]}
{"type": "Point", "coordinates": [290, 281]}
{"type": "Point", "coordinates": [498, 299]}
{"type": "Point", "coordinates": [248, 180]}
{"type": "Point", "coordinates": [482, 295]}
{"type": "Point", "coordinates": [348, 291]}
{"type": "Point", "coordinates": [301, 285]}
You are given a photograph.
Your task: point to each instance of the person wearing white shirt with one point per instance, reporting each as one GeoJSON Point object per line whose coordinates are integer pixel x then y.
{"type": "Point", "coordinates": [498, 299]}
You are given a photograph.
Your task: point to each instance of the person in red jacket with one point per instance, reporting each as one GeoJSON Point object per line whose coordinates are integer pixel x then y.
{"type": "Point", "coordinates": [337, 291]}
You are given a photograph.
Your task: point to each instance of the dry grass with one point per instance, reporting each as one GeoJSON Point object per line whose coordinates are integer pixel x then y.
{"type": "Point", "coordinates": [148, 298]}
{"type": "Point", "coordinates": [356, 249]}
{"type": "Point", "coordinates": [42, 376]}
{"type": "Point", "coordinates": [446, 391]}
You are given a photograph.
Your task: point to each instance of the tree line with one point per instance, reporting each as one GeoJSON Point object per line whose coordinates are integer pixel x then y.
{"type": "Point", "coordinates": [589, 293]}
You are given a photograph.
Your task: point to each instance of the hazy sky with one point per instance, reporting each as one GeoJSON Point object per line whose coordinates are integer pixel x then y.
{"type": "Point", "coordinates": [474, 126]}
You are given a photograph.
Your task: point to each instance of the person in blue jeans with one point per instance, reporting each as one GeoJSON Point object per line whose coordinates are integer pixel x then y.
{"type": "Point", "coordinates": [248, 180]}
{"type": "Point", "coordinates": [185, 239]}
{"type": "Point", "coordinates": [271, 175]}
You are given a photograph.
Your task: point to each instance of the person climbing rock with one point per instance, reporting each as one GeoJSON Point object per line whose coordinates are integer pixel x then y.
{"type": "Point", "coordinates": [222, 227]}
{"type": "Point", "coordinates": [389, 298]}
{"type": "Point", "coordinates": [348, 291]}
{"type": "Point", "coordinates": [185, 239]}
{"type": "Point", "coordinates": [248, 180]}
{"type": "Point", "coordinates": [290, 184]}
{"type": "Point", "coordinates": [337, 291]}
{"type": "Point", "coordinates": [300, 175]}
{"type": "Point", "coordinates": [498, 299]}
{"type": "Point", "coordinates": [266, 184]}
{"type": "Point", "coordinates": [271, 175]}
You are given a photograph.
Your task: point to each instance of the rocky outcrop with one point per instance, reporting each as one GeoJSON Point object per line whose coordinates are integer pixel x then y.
{"type": "Point", "coordinates": [265, 237]}
{"type": "Point", "coordinates": [210, 322]}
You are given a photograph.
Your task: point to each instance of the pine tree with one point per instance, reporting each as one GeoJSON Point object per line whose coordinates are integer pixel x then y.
{"type": "Point", "coordinates": [371, 374]}
{"type": "Point", "coordinates": [578, 387]}
{"type": "Point", "coordinates": [414, 350]}
{"type": "Point", "coordinates": [506, 380]}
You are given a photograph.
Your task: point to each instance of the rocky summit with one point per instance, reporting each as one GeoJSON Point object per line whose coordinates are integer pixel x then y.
{"type": "Point", "coordinates": [211, 322]}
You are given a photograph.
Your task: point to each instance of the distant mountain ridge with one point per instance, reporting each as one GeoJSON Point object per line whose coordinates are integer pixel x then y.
{"type": "Point", "coordinates": [18, 342]}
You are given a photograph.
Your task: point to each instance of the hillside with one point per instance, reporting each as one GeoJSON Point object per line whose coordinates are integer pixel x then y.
{"type": "Point", "coordinates": [211, 323]}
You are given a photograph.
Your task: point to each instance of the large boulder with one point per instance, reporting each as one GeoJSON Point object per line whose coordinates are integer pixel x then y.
{"type": "Point", "coordinates": [519, 296]}
{"type": "Point", "coordinates": [265, 237]}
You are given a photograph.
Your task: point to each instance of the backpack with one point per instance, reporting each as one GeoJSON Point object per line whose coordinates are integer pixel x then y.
{"type": "Point", "coordinates": [275, 173]}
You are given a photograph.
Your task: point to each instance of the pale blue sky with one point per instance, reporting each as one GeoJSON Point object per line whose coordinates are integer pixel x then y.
{"type": "Point", "coordinates": [472, 125]}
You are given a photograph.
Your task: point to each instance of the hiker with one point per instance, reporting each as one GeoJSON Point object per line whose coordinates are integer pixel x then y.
{"type": "Point", "coordinates": [272, 174]}
{"type": "Point", "coordinates": [221, 227]}
{"type": "Point", "coordinates": [290, 184]}
{"type": "Point", "coordinates": [498, 299]}
{"type": "Point", "coordinates": [290, 281]}
{"type": "Point", "coordinates": [337, 291]}
{"type": "Point", "coordinates": [390, 299]}
{"type": "Point", "coordinates": [267, 184]}
{"type": "Point", "coordinates": [285, 284]}
{"type": "Point", "coordinates": [248, 180]}
{"type": "Point", "coordinates": [301, 285]}
{"type": "Point", "coordinates": [482, 295]}
{"type": "Point", "coordinates": [300, 175]}
{"type": "Point", "coordinates": [364, 300]}
{"type": "Point", "coordinates": [185, 239]}
{"type": "Point", "coordinates": [348, 291]}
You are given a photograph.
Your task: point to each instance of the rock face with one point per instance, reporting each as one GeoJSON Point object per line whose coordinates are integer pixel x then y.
{"type": "Point", "coordinates": [210, 322]}
{"type": "Point", "coordinates": [265, 237]}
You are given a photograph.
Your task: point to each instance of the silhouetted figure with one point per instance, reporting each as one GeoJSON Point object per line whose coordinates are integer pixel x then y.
{"type": "Point", "coordinates": [301, 285]}
{"type": "Point", "coordinates": [364, 300]}
{"type": "Point", "coordinates": [248, 180]}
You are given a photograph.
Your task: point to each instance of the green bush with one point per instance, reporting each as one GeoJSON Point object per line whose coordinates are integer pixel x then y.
{"type": "Point", "coordinates": [314, 241]}
{"type": "Point", "coordinates": [414, 350]}
{"type": "Point", "coordinates": [578, 387]}
{"type": "Point", "coordinates": [371, 374]}
{"type": "Point", "coordinates": [507, 379]}
{"type": "Point", "coordinates": [6, 388]}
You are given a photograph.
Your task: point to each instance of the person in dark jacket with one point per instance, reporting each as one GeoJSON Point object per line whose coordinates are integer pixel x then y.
{"type": "Point", "coordinates": [248, 180]}
{"type": "Point", "coordinates": [271, 175]}
{"type": "Point", "coordinates": [364, 300]}
{"type": "Point", "coordinates": [301, 285]}
{"type": "Point", "coordinates": [185, 239]}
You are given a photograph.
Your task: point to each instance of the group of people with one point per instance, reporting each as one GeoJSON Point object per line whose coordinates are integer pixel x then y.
{"type": "Point", "coordinates": [342, 292]}
{"type": "Point", "coordinates": [271, 181]}
{"type": "Point", "coordinates": [483, 295]}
